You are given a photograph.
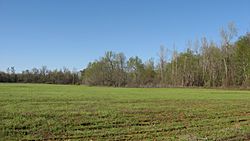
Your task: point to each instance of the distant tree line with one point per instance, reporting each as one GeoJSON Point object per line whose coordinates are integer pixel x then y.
{"type": "Point", "coordinates": [203, 64]}
{"type": "Point", "coordinates": [42, 75]}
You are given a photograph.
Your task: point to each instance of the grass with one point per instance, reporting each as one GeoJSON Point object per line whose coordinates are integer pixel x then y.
{"type": "Point", "coordinates": [60, 112]}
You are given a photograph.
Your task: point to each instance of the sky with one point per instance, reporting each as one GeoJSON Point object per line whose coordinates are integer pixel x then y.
{"type": "Point", "coordinates": [72, 33]}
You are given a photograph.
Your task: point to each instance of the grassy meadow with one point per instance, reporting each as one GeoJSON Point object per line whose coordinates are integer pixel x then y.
{"type": "Point", "coordinates": [64, 112]}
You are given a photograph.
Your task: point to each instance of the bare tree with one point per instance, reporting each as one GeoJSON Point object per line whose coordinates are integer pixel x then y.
{"type": "Point", "coordinates": [227, 35]}
{"type": "Point", "coordinates": [162, 56]}
{"type": "Point", "coordinates": [174, 66]}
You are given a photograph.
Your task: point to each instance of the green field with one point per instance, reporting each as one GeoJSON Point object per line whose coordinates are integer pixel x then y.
{"type": "Point", "coordinates": [61, 112]}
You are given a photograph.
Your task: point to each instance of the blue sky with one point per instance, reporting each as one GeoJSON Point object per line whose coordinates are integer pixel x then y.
{"type": "Point", "coordinates": [71, 33]}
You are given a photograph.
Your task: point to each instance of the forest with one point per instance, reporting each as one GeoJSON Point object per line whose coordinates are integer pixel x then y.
{"type": "Point", "coordinates": [205, 63]}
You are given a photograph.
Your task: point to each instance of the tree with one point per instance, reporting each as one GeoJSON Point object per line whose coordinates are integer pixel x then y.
{"type": "Point", "coordinates": [119, 72]}
{"type": "Point", "coordinates": [174, 67]}
{"type": "Point", "coordinates": [94, 74]}
{"type": "Point", "coordinates": [110, 70]}
{"type": "Point", "coordinates": [162, 63]}
{"type": "Point", "coordinates": [43, 73]}
{"type": "Point", "coordinates": [227, 51]}
{"type": "Point", "coordinates": [243, 60]}
{"type": "Point", "coordinates": [149, 73]}
{"type": "Point", "coordinates": [135, 71]}
{"type": "Point", "coordinates": [212, 70]}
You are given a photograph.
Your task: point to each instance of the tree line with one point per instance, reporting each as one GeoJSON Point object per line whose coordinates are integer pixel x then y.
{"type": "Point", "coordinates": [203, 64]}
{"type": "Point", "coordinates": [42, 75]}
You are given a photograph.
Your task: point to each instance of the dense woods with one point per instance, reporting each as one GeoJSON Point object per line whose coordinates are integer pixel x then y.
{"type": "Point", "coordinates": [203, 64]}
